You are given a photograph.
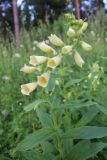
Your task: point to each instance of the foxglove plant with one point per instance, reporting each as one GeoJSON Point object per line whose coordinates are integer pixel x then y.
{"type": "Point", "coordinates": [60, 114]}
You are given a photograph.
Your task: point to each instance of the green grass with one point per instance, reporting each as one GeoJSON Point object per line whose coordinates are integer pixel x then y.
{"type": "Point", "coordinates": [15, 124]}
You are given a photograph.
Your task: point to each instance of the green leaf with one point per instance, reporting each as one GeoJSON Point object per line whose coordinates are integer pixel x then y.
{"type": "Point", "coordinates": [76, 105]}
{"type": "Point", "coordinates": [48, 147]}
{"type": "Point", "coordinates": [67, 145]}
{"type": "Point", "coordinates": [86, 132]}
{"type": "Point", "coordinates": [29, 155]}
{"type": "Point", "coordinates": [34, 105]}
{"type": "Point", "coordinates": [85, 149]}
{"type": "Point", "coordinates": [2, 157]}
{"type": "Point", "coordinates": [51, 84]}
{"type": "Point", "coordinates": [102, 109]}
{"type": "Point", "coordinates": [72, 82]}
{"type": "Point", "coordinates": [92, 112]}
{"type": "Point", "coordinates": [81, 105]}
{"type": "Point", "coordinates": [44, 118]}
{"type": "Point", "coordinates": [35, 138]}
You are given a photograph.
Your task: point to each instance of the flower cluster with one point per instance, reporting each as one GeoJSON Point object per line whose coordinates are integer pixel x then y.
{"type": "Point", "coordinates": [74, 32]}
{"type": "Point", "coordinates": [37, 61]}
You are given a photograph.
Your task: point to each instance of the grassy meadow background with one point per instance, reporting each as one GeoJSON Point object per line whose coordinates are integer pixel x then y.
{"type": "Point", "coordinates": [15, 124]}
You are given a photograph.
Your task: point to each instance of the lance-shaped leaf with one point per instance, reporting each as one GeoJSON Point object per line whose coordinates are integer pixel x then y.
{"type": "Point", "coordinates": [34, 105]}
{"type": "Point", "coordinates": [86, 132]}
{"type": "Point", "coordinates": [85, 149]}
{"type": "Point", "coordinates": [35, 138]}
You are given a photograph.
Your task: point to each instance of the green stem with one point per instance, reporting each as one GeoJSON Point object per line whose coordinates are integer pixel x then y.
{"type": "Point", "coordinates": [58, 137]}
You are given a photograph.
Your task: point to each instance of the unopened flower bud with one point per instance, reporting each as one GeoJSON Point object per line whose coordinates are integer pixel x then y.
{"type": "Point", "coordinates": [71, 32]}
{"type": "Point", "coordinates": [36, 60]}
{"type": "Point", "coordinates": [29, 69]}
{"type": "Point", "coordinates": [84, 26]}
{"type": "Point", "coordinates": [56, 40]}
{"type": "Point", "coordinates": [66, 49]}
{"type": "Point", "coordinates": [86, 46]}
{"type": "Point", "coordinates": [45, 48]}
{"type": "Point", "coordinates": [78, 59]}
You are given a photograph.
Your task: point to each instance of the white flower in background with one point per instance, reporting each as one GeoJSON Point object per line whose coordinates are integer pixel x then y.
{"type": "Point", "coordinates": [71, 32]}
{"type": "Point", "coordinates": [86, 46]}
{"type": "Point", "coordinates": [45, 48]}
{"type": "Point", "coordinates": [6, 78]}
{"type": "Point", "coordinates": [54, 62]}
{"type": "Point", "coordinates": [92, 33]}
{"type": "Point", "coordinates": [21, 45]}
{"type": "Point", "coordinates": [5, 54]}
{"type": "Point", "coordinates": [34, 48]}
{"type": "Point", "coordinates": [35, 42]}
{"type": "Point", "coordinates": [90, 75]}
{"type": "Point", "coordinates": [56, 40]}
{"type": "Point", "coordinates": [26, 89]}
{"type": "Point", "coordinates": [78, 59]}
{"type": "Point", "coordinates": [17, 55]}
{"type": "Point", "coordinates": [106, 39]}
{"type": "Point", "coordinates": [29, 69]}
{"type": "Point", "coordinates": [4, 112]}
{"type": "Point", "coordinates": [57, 82]}
{"type": "Point", "coordinates": [66, 49]}
{"type": "Point", "coordinates": [36, 60]}
{"type": "Point", "coordinates": [43, 79]}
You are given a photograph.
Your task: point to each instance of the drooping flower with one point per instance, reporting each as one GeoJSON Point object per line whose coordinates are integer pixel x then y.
{"type": "Point", "coordinates": [54, 62]}
{"type": "Point", "coordinates": [78, 59]}
{"type": "Point", "coordinates": [36, 60]}
{"type": "Point", "coordinates": [29, 69]}
{"type": "Point", "coordinates": [66, 49]}
{"type": "Point", "coordinates": [56, 40]}
{"type": "Point", "coordinates": [45, 48]}
{"type": "Point", "coordinates": [43, 79]}
{"type": "Point", "coordinates": [86, 46]}
{"type": "Point", "coordinates": [26, 89]}
{"type": "Point", "coordinates": [71, 32]}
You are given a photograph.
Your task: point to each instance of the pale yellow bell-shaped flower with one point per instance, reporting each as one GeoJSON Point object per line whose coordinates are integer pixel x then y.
{"type": "Point", "coordinates": [78, 59]}
{"type": "Point", "coordinates": [26, 89]}
{"type": "Point", "coordinates": [84, 26]}
{"type": "Point", "coordinates": [66, 49]}
{"type": "Point", "coordinates": [36, 60]}
{"type": "Point", "coordinates": [43, 79]}
{"type": "Point", "coordinates": [54, 62]}
{"type": "Point", "coordinates": [56, 40]}
{"type": "Point", "coordinates": [86, 46]}
{"type": "Point", "coordinates": [71, 32]}
{"type": "Point", "coordinates": [29, 69]}
{"type": "Point", "coordinates": [45, 48]}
